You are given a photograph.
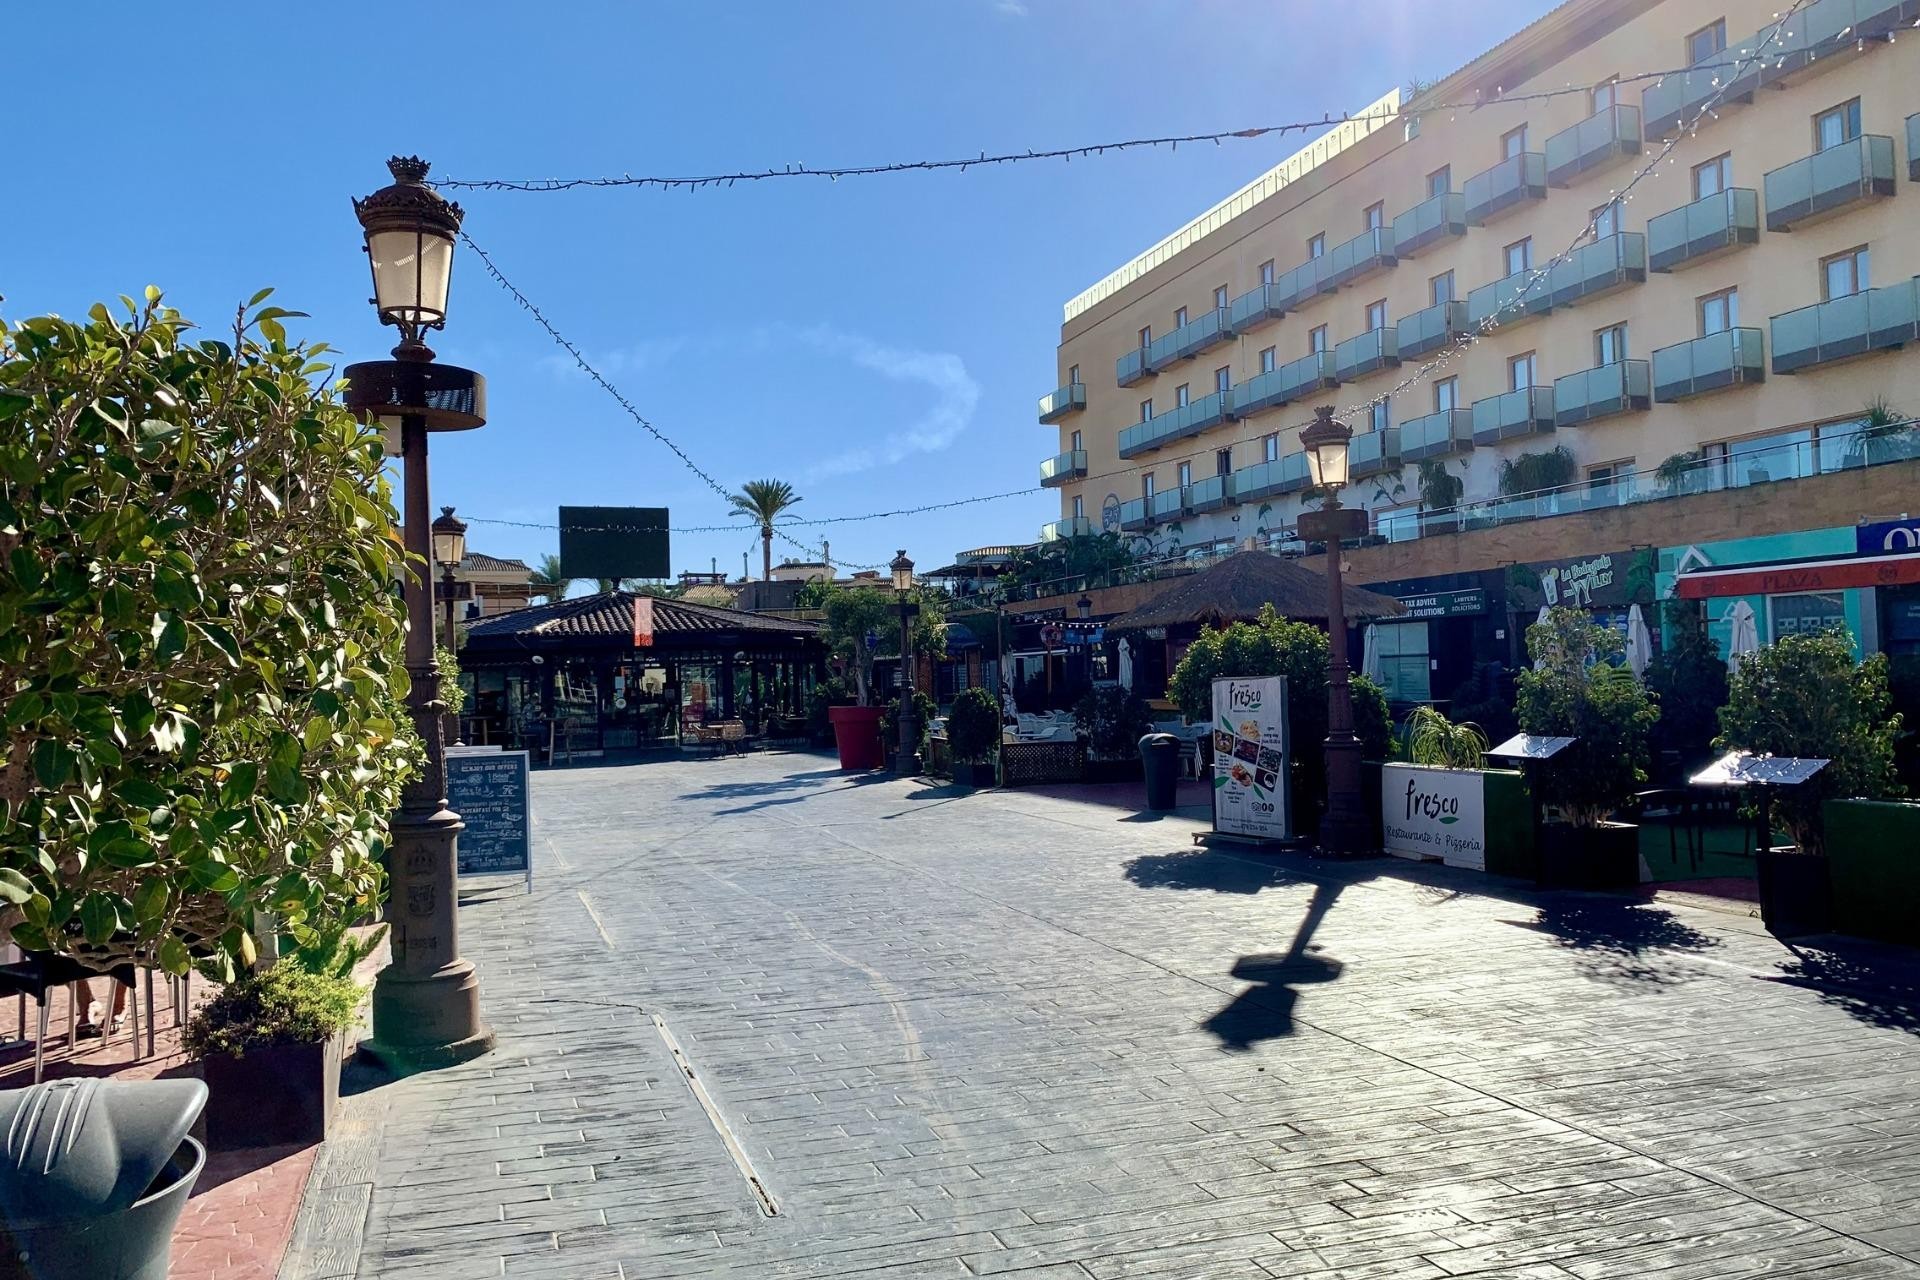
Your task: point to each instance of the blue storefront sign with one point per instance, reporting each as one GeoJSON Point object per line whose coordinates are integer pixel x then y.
{"type": "Point", "coordinates": [1883, 536]}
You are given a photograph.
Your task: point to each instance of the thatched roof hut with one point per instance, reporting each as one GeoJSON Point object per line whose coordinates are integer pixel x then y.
{"type": "Point", "coordinates": [1235, 590]}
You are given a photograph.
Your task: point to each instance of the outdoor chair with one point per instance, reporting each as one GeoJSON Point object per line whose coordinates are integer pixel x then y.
{"type": "Point", "coordinates": [38, 973]}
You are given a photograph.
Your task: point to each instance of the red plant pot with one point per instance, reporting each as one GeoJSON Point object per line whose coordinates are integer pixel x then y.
{"type": "Point", "coordinates": [856, 733]}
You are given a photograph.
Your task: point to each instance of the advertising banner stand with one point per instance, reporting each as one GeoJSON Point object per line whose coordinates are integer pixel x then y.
{"type": "Point", "coordinates": [489, 790]}
{"type": "Point", "coordinates": [1252, 799]}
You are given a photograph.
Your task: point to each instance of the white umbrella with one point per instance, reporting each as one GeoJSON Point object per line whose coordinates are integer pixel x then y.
{"type": "Point", "coordinates": [1744, 634]}
{"type": "Point", "coordinates": [1537, 662]}
{"type": "Point", "coordinates": [1370, 654]}
{"type": "Point", "coordinates": [1639, 643]}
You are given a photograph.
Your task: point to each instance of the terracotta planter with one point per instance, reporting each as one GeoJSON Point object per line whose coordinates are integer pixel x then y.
{"type": "Point", "coordinates": [284, 1095]}
{"type": "Point", "coordinates": [856, 735]}
{"type": "Point", "coordinates": [1796, 896]}
{"type": "Point", "coordinates": [1602, 857]}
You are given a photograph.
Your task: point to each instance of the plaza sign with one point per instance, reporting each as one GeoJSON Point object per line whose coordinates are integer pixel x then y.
{"type": "Point", "coordinates": [1431, 814]}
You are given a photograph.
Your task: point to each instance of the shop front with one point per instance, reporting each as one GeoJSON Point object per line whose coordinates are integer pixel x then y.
{"type": "Point", "coordinates": [1752, 594]}
{"type": "Point", "coordinates": [1453, 623]}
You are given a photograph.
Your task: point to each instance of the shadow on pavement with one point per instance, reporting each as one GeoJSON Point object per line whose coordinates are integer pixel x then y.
{"type": "Point", "coordinates": [766, 787]}
{"type": "Point", "coordinates": [1264, 1011]}
{"type": "Point", "coordinates": [1622, 942]}
{"type": "Point", "coordinates": [1879, 991]}
{"type": "Point", "coordinates": [1206, 869]}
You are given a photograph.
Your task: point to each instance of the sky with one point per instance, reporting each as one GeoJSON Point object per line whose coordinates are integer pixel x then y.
{"type": "Point", "coordinates": [878, 342]}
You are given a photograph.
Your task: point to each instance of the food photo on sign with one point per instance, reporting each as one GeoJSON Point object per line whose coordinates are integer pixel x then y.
{"type": "Point", "coordinates": [1249, 761]}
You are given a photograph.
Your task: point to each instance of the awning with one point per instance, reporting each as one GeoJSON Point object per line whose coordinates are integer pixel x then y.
{"type": "Point", "coordinates": [1835, 574]}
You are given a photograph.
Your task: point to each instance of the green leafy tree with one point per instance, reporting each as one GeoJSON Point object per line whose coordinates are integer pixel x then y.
{"type": "Point", "coordinates": [1531, 472]}
{"type": "Point", "coordinates": [1579, 688]}
{"type": "Point", "coordinates": [453, 698]}
{"type": "Point", "coordinates": [550, 581]}
{"type": "Point", "coordinates": [200, 638]}
{"type": "Point", "coordinates": [763, 502]}
{"type": "Point", "coordinates": [973, 726]}
{"type": "Point", "coordinates": [1688, 678]}
{"type": "Point", "coordinates": [1066, 564]}
{"type": "Point", "coordinates": [1440, 489]}
{"type": "Point", "coordinates": [1804, 695]}
{"type": "Point", "coordinates": [854, 613]}
{"type": "Point", "coordinates": [1113, 719]}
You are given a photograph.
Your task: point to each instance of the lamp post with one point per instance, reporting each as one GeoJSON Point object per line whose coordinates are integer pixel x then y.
{"type": "Point", "coordinates": [907, 761]}
{"type": "Point", "coordinates": [426, 1003]}
{"type": "Point", "coordinates": [1343, 827]}
{"type": "Point", "coordinates": [449, 549]}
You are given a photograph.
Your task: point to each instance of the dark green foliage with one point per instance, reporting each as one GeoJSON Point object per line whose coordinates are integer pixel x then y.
{"type": "Point", "coordinates": [1485, 698]}
{"type": "Point", "coordinates": [1580, 690]}
{"type": "Point", "coordinates": [286, 1005]}
{"type": "Point", "coordinates": [1903, 690]}
{"type": "Point", "coordinates": [1688, 678]}
{"type": "Point", "coordinates": [1113, 720]}
{"type": "Point", "coordinates": [1064, 565]}
{"type": "Point", "coordinates": [1530, 472]}
{"type": "Point", "coordinates": [1440, 489]}
{"type": "Point", "coordinates": [923, 705]}
{"type": "Point", "coordinates": [852, 613]}
{"type": "Point", "coordinates": [830, 692]}
{"type": "Point", "coordinates": [973, 726]}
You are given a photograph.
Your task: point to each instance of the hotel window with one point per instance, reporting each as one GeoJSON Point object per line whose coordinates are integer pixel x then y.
{"type": "Point", "coordinates": [1146, 337]}
{"type": "Point", "coordinates": [1844, 274]}
{"type": "Point", "coordinates": [1316, 339]}
{"type": "Point", "coordinates": [1379, 417]}
{"type": "Point", "coordinates": [1266, 272]}
{"type": "Point", "coordinates": [1146, 410]}
{"type": "Point", "coordinates": [1605, 219]}
{"type": "Point", "coordinates": [1270, 448]}
{"type": "Point", "coordinates": [1805, 613]}
{"type": "Point", "coordinates": [1405, 671]}
{"type": "Point", "coordinates": [1440, 181]}
{"type": "Point", "coordinates": [1377, 314]}
{"type": "Point", "coordinates": [1713, 176]}
{"type": "Point", "coordinates": [1519, 256]}
{"type": "Point", "coordinates": [1219, 297]}
{"type": "Point", "coordinates": [1269, 359]}
{"type": "Point", "coordinates": [1837, 125]}
{"type": "Point", "coordinates": [1719, 312]}
{"type": "Point", "coordinates": [1446, 395]}
{"type": "Point", "coordinates": [1073, 374]}
{"type": "Point", "coordinates": [1375, 216]}
{"type": "Point", "coordinates": [1610, 344]}
{"type": "Point", "coordinates": [1184, 473]}
{"type": "Point", "coordinates": [1317, 245]}
{"type": "Point", "coordinates": [1182, 394]}
{"type": "Point", "coordinates": [1611, 473]}
{"type": "Point", "coordinates": [1223, 378]}
{"type": "Point", "coordinates": [1604, 95]}
{"type": "Point", "coordinates": [1513, 143]}
{"type": "Point", "coordinates": [1146, 486]}
{"type": "Point", "coordinates": [1180, 318]}
{"type": "Point", "coordinates": [1707, 41]}
{"type": "Point", "coordinates": [1076, 441]}
{"type": "Point", "coordinates": [1523, 371]}
{"type": "Point", "coordinates": [1222, 461]}
{"type": "Point", "coordinates": [1440, 289]}
{"type": "Point", "coordinates": [1079, 507]}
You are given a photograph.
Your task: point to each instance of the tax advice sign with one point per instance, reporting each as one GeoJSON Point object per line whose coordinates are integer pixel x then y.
{"type": "Point", "coordinates": [1463, 817]}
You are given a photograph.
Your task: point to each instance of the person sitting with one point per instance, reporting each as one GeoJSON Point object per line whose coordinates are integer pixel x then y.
{"type": "Point", "coordinates": [93, 1026]}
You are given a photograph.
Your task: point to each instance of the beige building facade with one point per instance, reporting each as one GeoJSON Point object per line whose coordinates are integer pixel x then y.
{"type": "Point", "coordinates": [1471, 286]}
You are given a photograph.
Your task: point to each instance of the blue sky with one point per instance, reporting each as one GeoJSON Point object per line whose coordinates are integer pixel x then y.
{"type": "Point", "coordinates": [879, 342]}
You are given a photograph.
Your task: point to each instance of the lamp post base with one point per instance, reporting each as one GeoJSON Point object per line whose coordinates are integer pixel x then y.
{"type": "Point", "coordinates": [420, 1024]}
{"type": "Point", "coordinates": [907, 764]}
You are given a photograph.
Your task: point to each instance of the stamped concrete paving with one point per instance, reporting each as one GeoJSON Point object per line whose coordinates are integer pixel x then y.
{"type": "Point", "coordinates": [1004, 1034]}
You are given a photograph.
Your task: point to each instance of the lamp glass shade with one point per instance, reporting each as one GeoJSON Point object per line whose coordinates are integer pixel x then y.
{"type": "Point", "coordinates": [902, 572]}
{"type": "Point", "coordinates": [449, 539]}
{"type": "Point", "coordinates": [1327, 463]}
{"type": "Point", "coordinates": [1085, 606]}
{"type": "Point", "coordinates": [412, 268]}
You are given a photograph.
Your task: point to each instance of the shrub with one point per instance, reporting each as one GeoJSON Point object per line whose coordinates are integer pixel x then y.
{"type": "Point", "coordinates": [830, 692]}
{"type": "Point", "coordinates": [924, 706]}
{"type": "Point", "coordinates": [285, 1005]}
{"type": "Point", "coordinates": [1579, 690]}
{"type": "Point", "coordinates": [1804, 695]}
{"type": "Point", "coordinates": [1114, 720]}
{"type": "Point", "coordinates": [973, 726]}
{"type": "Point", "coordinates": [1486, 698]}
{"type": "Point", "coordinates": [453, 696]}
{"type": "Point", "coordinates": [1435, 740]}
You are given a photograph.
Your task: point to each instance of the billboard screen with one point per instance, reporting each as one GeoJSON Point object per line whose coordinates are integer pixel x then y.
{"type": "Point", "coordinates": [614, 542]}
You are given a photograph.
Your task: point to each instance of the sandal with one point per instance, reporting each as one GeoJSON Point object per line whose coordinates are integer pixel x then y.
{"type": "Point", "coordinates": [87, 1031]}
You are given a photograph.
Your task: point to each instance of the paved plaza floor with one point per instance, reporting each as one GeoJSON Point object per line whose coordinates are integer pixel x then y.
{"type": "Point", "coordinates": [762, 1019]}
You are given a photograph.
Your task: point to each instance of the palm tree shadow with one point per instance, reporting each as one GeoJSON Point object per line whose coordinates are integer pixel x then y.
{"type": "Point", "coordinates": [1622, 943]}
{"type": "Point", "coordinates": [1265, 1010]}
{"type": "Point", "coordinates": [1881, 995]}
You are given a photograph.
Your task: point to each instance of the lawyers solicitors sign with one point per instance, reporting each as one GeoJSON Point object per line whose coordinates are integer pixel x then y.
{"type": "Point", "coordinates": [1432, 814]}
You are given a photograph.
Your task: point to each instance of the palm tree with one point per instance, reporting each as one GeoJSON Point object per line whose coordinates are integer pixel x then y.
{"type": "Point", "coordinates": [606, 585]}
{"type": "Point", "coordinates": [549, 583]}
{"type": "Point", "coordinates": [762, 501]}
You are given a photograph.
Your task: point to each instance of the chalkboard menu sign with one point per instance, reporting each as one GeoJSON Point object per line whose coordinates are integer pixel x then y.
{"type": "Point", "coordinates": [488, 789]}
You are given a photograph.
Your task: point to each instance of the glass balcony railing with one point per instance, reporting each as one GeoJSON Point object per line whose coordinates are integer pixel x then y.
{"type": "Point", "coordinates": [1176, 424]}
{"type": "Point", "coordinates": [1071, 527]}
{"type": "Point", "coordinates": [1437, 435]}
{"type": "Point", "coordinates": [1163, 351]}
{"type": "Point", "coordinates": [1131, 367]}
{"type": "Point", "coordinates": [1731, 358]}
{"type": "Point", "coordinates": [1609, 263]}
{"type": "Point", "coordinates": [1369, 252]}
{"type": "Point", "coordinates": [1058, 403]}
{"type": "Point", "coordinates": [1511, 299]}
{"type": "Point", "coordinates": [1210, 329]}
{"type": "Point", "coordinates": [1210, 494]}
{"type": "Point", "coordinates": [1133, 515]}
{"type": "Point", "coordinates": [1062, 467]}
{"type": "Point", "coordinates": [1601, 392]}
{"type": "Point", "coordinates": [1372, 452]}
{"type": "Point", "coordinates": [1876, 320]}
{"type": "Point", "coordinates": [1701, 230]}
{"type": "Point", "coordinates": [1828, 181]}
{"type": "Point", "coordinates": [1289, 382]}
{"type": "Point", "coordinates": [1526, 412]}
{"type": "Point", "coordinates": [1367, 353]}
{"type": "Point", "coordinates": [1678, 101]}
{"type": "Point", "coordinates": [1428, 223]}
{"type": "Point", "coordinates": [1295, 288]}
{"type": "Point", "coordinates": [1438, 326]}
{"type": "Point", "coordinates": [1258, 306]}
{"type": "Point", "coordinates": [1598, 141]}
{"type": "Point", "coordinates": [1913, 148]}
{"type": "Point", "coordinates": [1827, 27]}
{"type": "Point", "coordinates": [1285, 474]}
{"type": "Point", "coordinates": [1168, 504]}
{"type": "Point", "coordinates": [1502, 189]}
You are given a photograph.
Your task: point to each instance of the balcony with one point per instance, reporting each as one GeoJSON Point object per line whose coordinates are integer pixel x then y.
{"type": "Point", "coordinates": [1503, 189]}
{"type": "Point", "coordinates": [1440, 325]}
{"type": "Point", "coordinates": [1913, 148]}
{"type": "Point", "coordinates": [1285, 474]}
{"type": "Point", "coordinates": [1678, 101]}
{"type": "Point", "coordinates": [1510, 300]}
{"type": "Point", "coordinates": [1071, 527]}
{"type": "Point", "coordinates": [1176, 424]}
{"type": "Point", "coordinates": [1133, 515]}
{"type": "Point", "coordinates": [1601, 392]}
{"type": "Point", "coordinates": [1289, 382]}
{"type": "Point", "coordinates": [1256, 307]}
{"type": "Point", "coordinates": [1877, 320]}
{"type": "Point", "coordinates": [1526, 412]}
{"type": "Point", "coordinates": [1062, 467]}
{"type": "Point", "coordinates": [1371, 352]}
{"type": "Point", "coordinates": [1826, 29]}
{"type": "Point", "coordinates": [1703, 230]}
{"type": "Point", "coordinates": [1132, 368]}
{"type": "Point", "coordinates": [1295, 288]}
{"type": "Point", "coordinates": [1431, 222]}
{"type": "Point", "coordinates": [1609, 263]}
{"type": "Point", "coordinates": [1162, 351]}
{"type": "Point", "coordinates": [1829, 182]}
{"type": "Point", "coordinates": [1168, 504]}
{"type": "Point", "coordinates": [1062, 401]}
{"type": "Point", "coordinates": [1209, 330]}
{"type": "Point", "coordinates": [1373, 452]}
{"type": "Point", "coordinates": [1210, 494]}
{"type": "Point", "coordinates": [1437, 435]}
{"type": "Point", "coordinates": [1732, 358]}
{"type": "Point", "coordinates": [1368, 253]}
{"type": "Point", "coordinates": [1600, 140]}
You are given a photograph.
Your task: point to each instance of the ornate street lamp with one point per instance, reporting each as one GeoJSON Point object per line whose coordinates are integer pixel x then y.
{"type": "Point", "coordinates": [1084, 605]}
{"type": "Point", "coordinates": [426, 1003]}
{"type": "Point", "coordinates": [449, 549]}
{"type": "Point", "coordinates": [907, 761]}
{"type": "Point", "coordinates": [1343, 827]}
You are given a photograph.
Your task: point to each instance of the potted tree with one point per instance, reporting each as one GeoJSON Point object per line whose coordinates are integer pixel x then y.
{"type": "Point", "coordinates": [1578, 688]}
{"type": "Point", "coordinates": [1112, 720]}
{"type": "Point", "coordinates": [863, 624]}
{"type": "Point", "coordinates": [1804, 695]}
{"type": "Point", "coordinates": [973, 736]}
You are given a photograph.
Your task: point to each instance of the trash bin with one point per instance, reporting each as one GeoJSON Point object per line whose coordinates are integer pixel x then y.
{"type": "Point", "coordinates": [1160, 761]}
{"type": "Point", "coordinates": [94, 1177]}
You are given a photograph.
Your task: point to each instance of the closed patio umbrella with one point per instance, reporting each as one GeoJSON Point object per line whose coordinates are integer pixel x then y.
{"type": "Point", "coordinates": [1744, 633]}
{"type": "Point", "coordinates": [1370, 651]}
{"type": "Point", "coordinates": [1639, 643]}
{"type": "Point", "coordinates": [1538, 662]}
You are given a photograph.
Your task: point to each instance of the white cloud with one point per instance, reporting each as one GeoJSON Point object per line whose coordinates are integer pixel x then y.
{"type": "Point", "coordinates": [955, 396]}
{"type": "Point", "coordinates": [1011, 8]}
{"type": "Point", "coordinates": [648, 353]}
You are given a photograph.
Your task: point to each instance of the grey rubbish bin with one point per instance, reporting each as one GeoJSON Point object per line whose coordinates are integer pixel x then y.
{"type": "Point", "coordinates": [1160, 761]}
{"type": "Point", "coordinates": [94, 1177]}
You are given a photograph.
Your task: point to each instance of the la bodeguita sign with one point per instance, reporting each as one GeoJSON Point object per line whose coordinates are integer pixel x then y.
{"type": "Point", "coordinates": [1434, 814]}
